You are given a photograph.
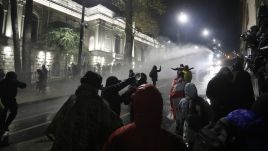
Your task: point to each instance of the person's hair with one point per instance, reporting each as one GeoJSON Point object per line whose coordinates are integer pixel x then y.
{"type": "Point", "coordinates": [11, 75]}
{"type": "Point", "coordinates": [112, 80]}
{"type": "Point", "coordinates": [226, 72]}
{"type": "Point", "coordinates": [92, 78]}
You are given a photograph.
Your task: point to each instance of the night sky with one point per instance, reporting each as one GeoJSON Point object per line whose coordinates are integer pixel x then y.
{"type": "Point", "coordinates": [222, 17]}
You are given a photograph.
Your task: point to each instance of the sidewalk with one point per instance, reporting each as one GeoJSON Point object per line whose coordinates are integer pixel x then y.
{"type": "Point", "coordinates": [54, 89]}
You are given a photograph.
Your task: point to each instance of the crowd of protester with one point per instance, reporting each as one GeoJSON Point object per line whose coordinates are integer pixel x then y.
{"type": "Point", "coordinates": [231, 120]}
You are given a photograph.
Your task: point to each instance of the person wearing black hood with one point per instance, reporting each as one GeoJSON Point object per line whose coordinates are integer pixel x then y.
{"type": "Point", "coordinates": [154, 74]}
{"type": "Point", "coordinates": [220, 91]}
{"type": "Point", "coordinates": [88, 122]}
{"type": "Point", "coordinates": [8, 93]}
{"type": "Point", "coordinates": [111, 92]}
{"type": "Point", "coordinates": [243, 87]}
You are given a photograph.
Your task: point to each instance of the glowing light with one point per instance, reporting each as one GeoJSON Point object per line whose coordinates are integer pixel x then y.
{"type": "Point", "coordinates": [219, 44]}
{"type": "Point", "coordinates": [7, 51]}
{"type": "Point", "coordinates": [196, 47]}
{"type": "Point", "coordinates": [9, 32]}
{"type": "Point", "coordinates": [219, 63]}
{"type": "Point", "coordinates": [214, 40]}
{"type": "Point", "coordinates": [91, 43]}
{"type": "Point", "coordinates": [208, 100]}
{"type": "Point", "coordinates": [218, 55]}
{"type": "Point", "coordinates": [183, 18]}
{"type": "Point", "coordinates": [228, 57]}
{"type": "Point", "coordinates": [205, 32]}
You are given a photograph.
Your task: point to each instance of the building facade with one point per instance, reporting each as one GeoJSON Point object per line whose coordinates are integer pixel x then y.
{"type": "Point", "coordinates": [104, 37]}
{"type": "Point", "coordinates": [250, 8]}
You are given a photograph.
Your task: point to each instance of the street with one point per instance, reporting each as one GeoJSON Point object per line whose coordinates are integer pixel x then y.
{"type": "Point", "coordinates": [33, 118]}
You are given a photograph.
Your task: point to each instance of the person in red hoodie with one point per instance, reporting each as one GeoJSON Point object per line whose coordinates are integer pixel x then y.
{"type": "Point", "coordinates": [145, 133]}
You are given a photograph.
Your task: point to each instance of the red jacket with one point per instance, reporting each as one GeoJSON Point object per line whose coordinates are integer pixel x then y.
{"type": "Point", "coordinates": [145, 133]}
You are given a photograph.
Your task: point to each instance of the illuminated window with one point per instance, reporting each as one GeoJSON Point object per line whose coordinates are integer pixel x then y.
{"type": "Point", "coordinates": [91, 45]}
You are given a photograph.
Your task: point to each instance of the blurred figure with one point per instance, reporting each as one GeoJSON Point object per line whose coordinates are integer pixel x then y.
{"type": "Point", "coordinates": [179, 68]}
{"type": "Point", "coordinates": [141, 78]}
{"type": "Point", "coordinates": [111, 92]}
{"type": "Point", "coordinates": [243, 87]}
{"type": "Point", "coordinates": [175, 95]}
{"type": "Point", "coordinates": [2, 74]}
{"type": "Point", "coordinates": [45, 74]}
{"type": "Point", "coordinates": [145, 133]}
{"type": "Point", "coordinates": [131, 73]}
{"type": "Point", "coordinates": [220, 91]}
{"type": "Point", "coordinates": [88, 121]}
{"type": "Point", "coordinates": [194, 114]}
{"type": "Point", "coordinates": [187, 74]}
{"type": "Point", "coordinates": [154, 74]}
{"type": "Point", "coordinates": [40, 85]}
{"type": "Point", "coordinates": [8, 93]}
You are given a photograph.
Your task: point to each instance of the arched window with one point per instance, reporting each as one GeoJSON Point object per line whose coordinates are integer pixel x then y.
{"type": "Point", "coordinates": [91, 45]}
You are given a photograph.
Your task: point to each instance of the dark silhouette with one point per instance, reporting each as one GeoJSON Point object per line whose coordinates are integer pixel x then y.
{"type": "Point", "coordinates": [45, 74]}
{"type": "Point", "coordinates": [2, 74]}
{"type": "Point", "coordinates": [243, 87]}
{"type": "Point", "coordinates": [8, 93]}
{"type": "Point", "coordinates": [220, 91]}
{"type": "Point", "coordinates": [154, 74]}
{"type": "Point", "coordinates": [145, 133]}
{"type": "Point", "coordinates": [131, 73]}
{"type": "Point", "coordinates": [111, 92]}
{"type": "Point", "coordinates": [87, 121]}
{"type": "Point", "coordinates": [41, 84]}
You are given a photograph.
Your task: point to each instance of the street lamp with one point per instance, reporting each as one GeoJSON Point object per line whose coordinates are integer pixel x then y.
{"type": "Point", "coordinates": [205, 32]}
{"type": "Point", "coordinates": [183, 18]}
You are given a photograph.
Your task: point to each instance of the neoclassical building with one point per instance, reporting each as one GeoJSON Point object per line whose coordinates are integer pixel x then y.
{"type": "Point", "coordinates": [104, 37]}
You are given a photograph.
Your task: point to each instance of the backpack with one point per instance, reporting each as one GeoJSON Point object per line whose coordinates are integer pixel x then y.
{"type": "Point", "coordinates": [198, 114]}
{"type": "Point", "coordinates": [151, 74]}
{"type": "Point", "coordinates": [215, 137]}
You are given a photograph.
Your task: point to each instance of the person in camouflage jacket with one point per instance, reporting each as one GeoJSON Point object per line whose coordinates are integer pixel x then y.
{"type": "Point", "coordinates": [87, 122]}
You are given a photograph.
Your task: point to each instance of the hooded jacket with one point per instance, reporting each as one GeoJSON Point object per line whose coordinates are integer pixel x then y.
{"type": "Point", "coordinates": [145, 133]}
{"type": "Point", "coordinates": [194, 113]}
{"type": "Point", "coordinates": [86, 122]}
